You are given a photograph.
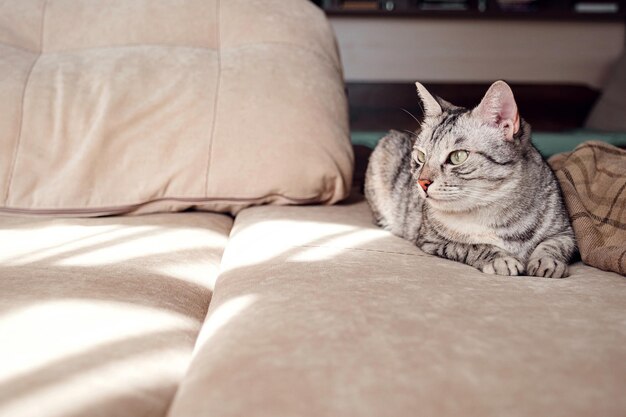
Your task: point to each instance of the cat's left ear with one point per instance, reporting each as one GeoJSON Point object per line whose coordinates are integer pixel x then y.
{"type": "Point", "coordinates": [498, 108]}
{"type": "Point", "coordinates": [431, 107]}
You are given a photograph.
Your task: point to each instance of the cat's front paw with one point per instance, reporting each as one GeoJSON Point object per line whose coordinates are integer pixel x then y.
{"type": "Point", "coordinates": [547, 267]}
{"type": "Point", "coordinates": [503, 265]}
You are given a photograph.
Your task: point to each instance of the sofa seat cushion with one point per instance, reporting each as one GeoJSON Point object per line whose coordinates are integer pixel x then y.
{"type": "Point", "coordinates": [160, 105]}
{"type": "Point", "coordinates": [317, 312]}
{"type": "Point", "coordinates": [98, 317]}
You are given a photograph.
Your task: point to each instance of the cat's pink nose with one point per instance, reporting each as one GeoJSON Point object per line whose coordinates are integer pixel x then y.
{"type": "Point", "coordinates": [424, 184]}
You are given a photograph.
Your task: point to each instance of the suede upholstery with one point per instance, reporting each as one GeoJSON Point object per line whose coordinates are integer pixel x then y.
{"type": "Point", "coordinates": [135, 106]}
{"type": "Point", "coordinates": [98, 317]}
{"type": "Point", "coordinates": [148, 106]}
{"type": "Point", "coordinates": [336, 317]}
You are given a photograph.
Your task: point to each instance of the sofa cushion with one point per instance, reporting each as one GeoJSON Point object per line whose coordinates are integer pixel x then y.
{"type": "Point", "coordinates": [336, 317]}
{"type": "Point", "coordinates": [98, 317]}
{"type": "Point", "coordinates": [158, 105]}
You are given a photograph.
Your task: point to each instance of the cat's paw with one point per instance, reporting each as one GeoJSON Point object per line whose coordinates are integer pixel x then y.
{"type": "Point", "coordinates": [547, 267]}
{"type": "Point", "coordinates": [504, 265]}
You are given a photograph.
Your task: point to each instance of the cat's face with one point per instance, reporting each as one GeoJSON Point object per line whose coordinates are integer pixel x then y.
{"type": "Point", "coordinates": [460, 161]}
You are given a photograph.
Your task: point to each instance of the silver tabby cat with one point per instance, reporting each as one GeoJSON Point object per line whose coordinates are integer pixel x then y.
{"type": "Point", "coordinates": [469, 186]}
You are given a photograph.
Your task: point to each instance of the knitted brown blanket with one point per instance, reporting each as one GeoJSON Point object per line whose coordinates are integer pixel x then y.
{"type": "Point", "coordinates": [593, 180]}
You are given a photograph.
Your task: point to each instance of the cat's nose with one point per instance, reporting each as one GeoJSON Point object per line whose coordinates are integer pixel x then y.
{"type": "Point", "coordinates": [424, 184]}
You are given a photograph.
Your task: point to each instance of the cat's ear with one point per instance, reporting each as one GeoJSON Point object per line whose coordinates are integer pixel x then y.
{"type": "Point", "coordinates": [498, 108]}
{"type": "Point", "coordinates": [431, 106]}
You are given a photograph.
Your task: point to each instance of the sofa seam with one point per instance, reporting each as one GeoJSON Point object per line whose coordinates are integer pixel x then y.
{"type": "Point", "coordinates": [122, 208]}
{"type": "Point", "coordinates": [18, 141]}
{"type": "Point", "coordinates": [218, 78]}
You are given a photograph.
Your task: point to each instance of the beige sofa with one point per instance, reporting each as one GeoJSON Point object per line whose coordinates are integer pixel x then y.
{"type": "Point", "coordinates": [248, 305]}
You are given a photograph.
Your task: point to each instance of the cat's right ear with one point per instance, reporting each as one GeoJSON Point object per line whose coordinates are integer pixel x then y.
{"type": "Point", "coordinates": [431, 106]}
{"type": "Point", "coordinates": [498, 108]}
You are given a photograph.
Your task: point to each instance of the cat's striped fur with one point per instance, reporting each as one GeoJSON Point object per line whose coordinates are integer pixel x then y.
{"type": "Point", "coordinates": [500, 210]}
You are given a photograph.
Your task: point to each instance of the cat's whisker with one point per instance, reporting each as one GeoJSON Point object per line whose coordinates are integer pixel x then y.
{"type": "Point", "coordinates": [412, 115]}
{"type": "Point", "coordinates": [410, 133]}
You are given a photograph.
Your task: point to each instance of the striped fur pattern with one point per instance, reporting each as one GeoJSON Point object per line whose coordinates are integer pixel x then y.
{"type": "Point", "coordinates": [500, 209]}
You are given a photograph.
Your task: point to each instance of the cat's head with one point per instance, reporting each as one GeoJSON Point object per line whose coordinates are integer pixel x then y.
{"type": "Point", "coordinates": [464, 159]}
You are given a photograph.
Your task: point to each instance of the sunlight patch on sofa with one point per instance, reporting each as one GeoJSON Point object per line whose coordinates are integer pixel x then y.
{"type": "Point", "coordinates": [221, 316]}
{"type": "Point", "coordinates": [66, 245]}
{"type": "Point", "coordinates": [296, 240]}
{"type": "Point", "coordinates": [270, 239]}
{"type": "Point", "coordinates": [162, 242]}
{"type": "Point", "coordinates": [51, 331]}
{"type": "Point", "coordinates": [36, 244]}
{"type": "Point", "coordinates": [335, 246]}
{"type": "Point", "coordinates": [117, 385]}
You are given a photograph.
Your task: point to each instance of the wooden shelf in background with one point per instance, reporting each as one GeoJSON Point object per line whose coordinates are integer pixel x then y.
{"type": "Point", "coordinates": [559, 10]}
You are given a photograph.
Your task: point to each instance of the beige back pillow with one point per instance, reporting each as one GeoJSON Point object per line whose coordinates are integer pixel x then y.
{"type": "Point", "coordinates": [151, 105]}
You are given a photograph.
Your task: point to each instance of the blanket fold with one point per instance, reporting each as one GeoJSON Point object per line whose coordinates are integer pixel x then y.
{"type": "Point", "coordinates": [593, 181]}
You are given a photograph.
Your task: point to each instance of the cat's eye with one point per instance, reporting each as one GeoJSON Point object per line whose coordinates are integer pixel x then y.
{"type": "Point", "coordinates": [458, 157]}
{"type": "Point", "coordinates": [421, 156]}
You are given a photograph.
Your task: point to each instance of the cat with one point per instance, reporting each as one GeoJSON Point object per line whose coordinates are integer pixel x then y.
{"type": "Point", "coordinates": [469, 186]}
